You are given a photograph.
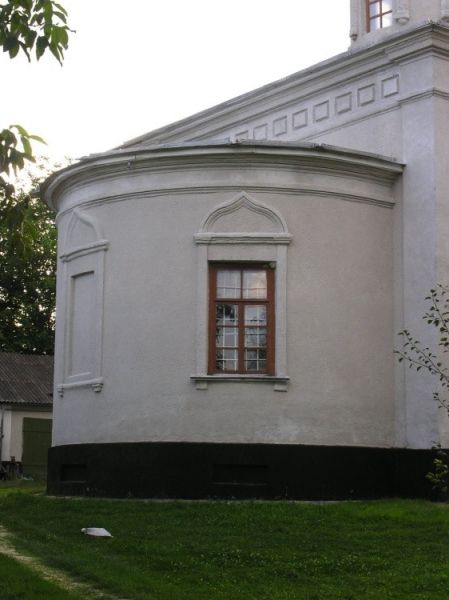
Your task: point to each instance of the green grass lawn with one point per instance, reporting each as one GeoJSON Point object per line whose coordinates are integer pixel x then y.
{"type": "Point", "coordinates": [19, 582]}
{"type": "Point", "coordinates": [21, 485]}
{"type": "Point", "coordinates": [240, 550]}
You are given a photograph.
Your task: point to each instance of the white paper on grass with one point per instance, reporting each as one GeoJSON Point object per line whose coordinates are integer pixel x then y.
{"type": "Point", "coordinates": [96, 531]}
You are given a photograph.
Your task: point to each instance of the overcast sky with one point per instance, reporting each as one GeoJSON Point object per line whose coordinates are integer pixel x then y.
{"type": "Point", "coordinates": [137, 65]}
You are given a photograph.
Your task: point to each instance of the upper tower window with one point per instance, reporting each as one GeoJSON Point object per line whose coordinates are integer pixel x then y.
{"type": "Point", "coordinates": [379, 14]}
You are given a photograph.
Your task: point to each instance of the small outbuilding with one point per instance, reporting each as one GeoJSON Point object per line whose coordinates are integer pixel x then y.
{"type": "Point", "coordinates": [26, 402]}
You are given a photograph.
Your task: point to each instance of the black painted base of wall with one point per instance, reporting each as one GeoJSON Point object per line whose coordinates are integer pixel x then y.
{"type": "Point", "coordinates": [271, 471]}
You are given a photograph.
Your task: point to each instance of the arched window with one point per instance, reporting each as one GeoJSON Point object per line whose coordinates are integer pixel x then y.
{"type": "Point", "coordinates": [379, 14]}
{"type": "Point", "coordinates": [241, 318]}
{"type": "Point", "coordinates": [242, 289]}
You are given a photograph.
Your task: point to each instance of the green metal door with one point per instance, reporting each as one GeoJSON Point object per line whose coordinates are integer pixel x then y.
{"type": "Point", "coordinates": [36, 442]}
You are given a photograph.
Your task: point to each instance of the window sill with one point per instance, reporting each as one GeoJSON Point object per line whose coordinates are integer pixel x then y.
{"type": "Point", "coordinates": [95, 384]}
{"type": "Point", "coordinates": [280, 384]}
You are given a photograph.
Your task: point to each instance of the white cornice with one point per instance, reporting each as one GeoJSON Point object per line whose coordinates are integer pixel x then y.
{"type": "Point", "coordinates": [304, 157]}
{"type": "Point", "coordinates": [434, 92]}
{"type": "Point", "coordinates": [310, 158]}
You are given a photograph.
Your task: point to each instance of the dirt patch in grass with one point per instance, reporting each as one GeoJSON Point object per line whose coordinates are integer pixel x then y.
{"type": "Point", "coordinates": [81, 590]}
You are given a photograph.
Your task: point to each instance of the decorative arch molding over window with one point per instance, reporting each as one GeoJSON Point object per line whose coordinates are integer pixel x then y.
{"type": "Point", "coordinates": [83, 235]}
{"type": "Point", "coordinates": [243, 220]}
{"type": "Point", "coordinates": [81, 341]}
{"type": "Point", "coordinates": [245, 231]}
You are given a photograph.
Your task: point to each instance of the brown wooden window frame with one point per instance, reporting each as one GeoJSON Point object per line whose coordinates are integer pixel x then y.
{"type": "Point", "coordinates": [379, 15]}
{"type": "Point", "coordinates": [241, 302]}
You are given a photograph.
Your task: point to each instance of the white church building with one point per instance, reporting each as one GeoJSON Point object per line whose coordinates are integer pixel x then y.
{"type": "Point", "coordinates": [230, 287]}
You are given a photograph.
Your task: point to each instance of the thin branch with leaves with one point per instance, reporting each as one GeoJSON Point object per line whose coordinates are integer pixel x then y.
{"type": "Point", "coordinates": [419, 357]}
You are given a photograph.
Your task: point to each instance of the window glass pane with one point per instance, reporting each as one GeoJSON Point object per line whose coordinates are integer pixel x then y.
{"type": "Point", "coordinates": [387, 5]}
{"type": "Point", "coordinates": [387, 20]}
{"type": "Point", "coordinates": [255, 314]}
{"type": "Point", "coordinates": [228, 284]}
{"type": "Point", "coordinates": [374, 9]}
{"type": "Point", "coordinates": [254, 284]}
{"type": "Point", "coordinates": [255, 360]}
{"type": "Point", "coordinates": [226, 360]}
{"type": "Point", "coordinates": [255, 337]}
{"type": "Point", "coordinates": [227, 337]}
{"type": "Point", "coordinates": [374, 24]}
{"type": "Point", "coordinates": [226, 314]}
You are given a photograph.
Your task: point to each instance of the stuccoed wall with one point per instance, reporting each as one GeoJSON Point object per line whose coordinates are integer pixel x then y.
{"type": "Point", "coordinates": [6, 440]}
{"type": "Point", "coordinates": [143, 213]}
{"type": "Point", "coordinates": [389, 98]}
{"type": "Point", "coordinates": [387, 95]}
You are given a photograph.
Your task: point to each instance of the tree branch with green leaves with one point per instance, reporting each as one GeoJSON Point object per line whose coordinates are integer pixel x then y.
{"type": "Point", "coordinates": [31, 27]}
{"type": "Point", "coordinates": [15, 152]}
{"type": "Point", "coordinates": [422, 357]}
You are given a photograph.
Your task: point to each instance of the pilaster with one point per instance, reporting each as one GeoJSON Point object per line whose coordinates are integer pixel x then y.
{"type": "Point", "coordinates": [401, 11]}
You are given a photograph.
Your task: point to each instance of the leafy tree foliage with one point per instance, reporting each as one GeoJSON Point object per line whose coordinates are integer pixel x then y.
{"type": "Point", "coordinates": [28, 26]}
{"type": "Point", "coordinates": [15, 150]}
{"type": "Point", "coordinates": [27, 274]}
{"type": "Point", "coordinates": [37, 25]}
{"type": "Point", "coordinates": [27, 233]}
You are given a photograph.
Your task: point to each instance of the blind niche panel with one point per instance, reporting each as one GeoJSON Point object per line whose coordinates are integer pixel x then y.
{"type": "Point", "coordinates": [82, 325]}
